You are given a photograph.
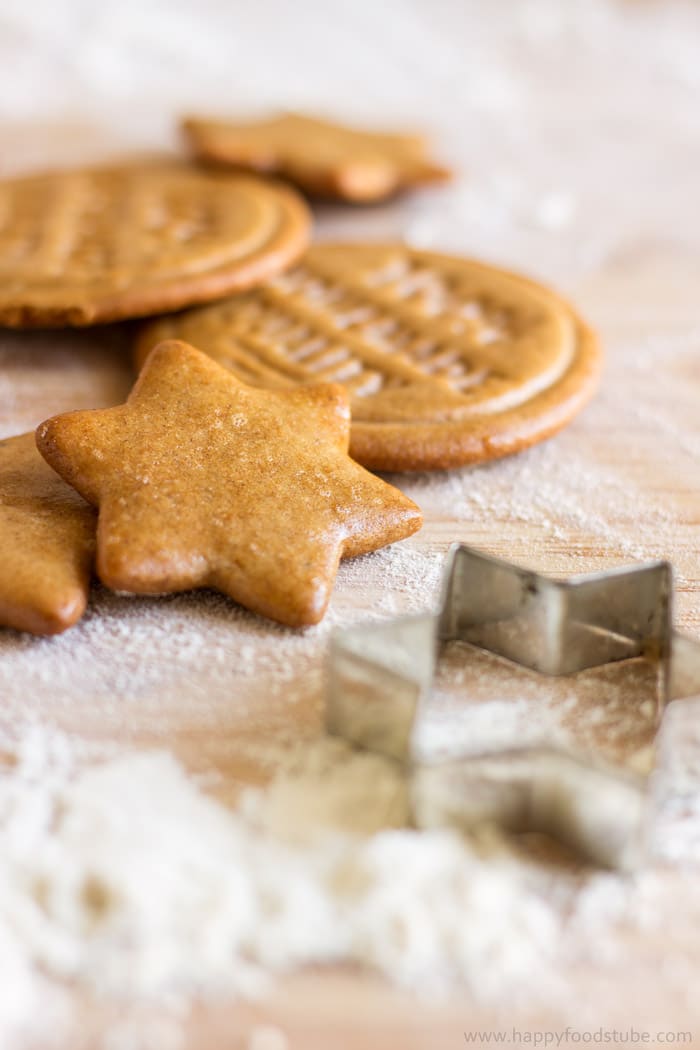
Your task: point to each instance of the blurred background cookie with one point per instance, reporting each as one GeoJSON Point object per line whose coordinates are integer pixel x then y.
{"type": "Point", "coordinates": [323, 159]}
{"type": "Point", "coordinates": [84, 246]}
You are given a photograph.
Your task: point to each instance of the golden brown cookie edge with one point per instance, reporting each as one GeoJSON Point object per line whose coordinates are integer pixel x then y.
{"type": "Point", "coordinates": [286, 248]}
{"type": "Point", "coordinates": [444, 446]}
{"type": "Point", "coordinates": [50, 438]}
{"type": "Point", "coordinates": [50, 614]}
{"type": "Point", "coordinates": [412, 448]}
{"type": "Point", "coordinates": [338, 184]}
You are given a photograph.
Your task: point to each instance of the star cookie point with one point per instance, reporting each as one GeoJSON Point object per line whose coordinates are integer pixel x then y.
{"type": "Point", "coordinates": [322, 158]}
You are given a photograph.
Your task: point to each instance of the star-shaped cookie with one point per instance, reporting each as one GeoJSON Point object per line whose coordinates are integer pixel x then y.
{"type": "Point", "coordinates": [47, 539]}
{"type": "Point", "coordinates": [202, 481]}
{"type": "Point", "coordinates": [323, 159]}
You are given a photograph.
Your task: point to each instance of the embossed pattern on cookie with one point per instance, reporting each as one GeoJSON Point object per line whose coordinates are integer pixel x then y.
{"type": "Point", "coordinates": [85, 246]}
{"type": "Point", "coordinates": [448, 361]}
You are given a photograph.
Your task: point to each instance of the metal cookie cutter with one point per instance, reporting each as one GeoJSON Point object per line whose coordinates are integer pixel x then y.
{"type": "Point", "coordinates": [380, 676]}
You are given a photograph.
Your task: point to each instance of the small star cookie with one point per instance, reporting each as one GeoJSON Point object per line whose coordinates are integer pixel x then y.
{"type": "Point", "coordinates": [202, 481]}
{"type": "Point", "coordinates": [47, 539]}
{"type": "Point", "coordinates": [323, 159]}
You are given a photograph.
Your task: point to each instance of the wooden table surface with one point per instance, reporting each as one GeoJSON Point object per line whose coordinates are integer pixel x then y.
{"type": "Point", "coordinates": [578, 141]}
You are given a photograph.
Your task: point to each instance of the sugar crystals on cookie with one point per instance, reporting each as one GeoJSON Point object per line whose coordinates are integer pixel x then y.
{"type": "Point", "coordinates": [202, 481]}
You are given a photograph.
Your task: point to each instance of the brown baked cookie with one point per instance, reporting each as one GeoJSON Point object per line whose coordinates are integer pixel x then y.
{"type": "Point", "coordinates": [47, 540]}
{"type": "Point", "coordinates": [86, 246]}
{"type": "Point", "coordinates": [447, 361]}
{"type": "Point", "coordinates": [204, 482]}
{"type": "Point", "coordinates": [323, 159]}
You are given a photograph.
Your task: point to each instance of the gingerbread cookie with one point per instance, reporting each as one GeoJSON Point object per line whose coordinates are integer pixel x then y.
{"type": "Point", "coordinates": [323, 159]}
{"type": "Point", "coordinates": [86, 246]}
{"type": "Point", "coordinates": [204, 482]}
{"type": "Point", "coordinates": [447, 361]}
{"type": "Point", "coordinates": [47, 539]}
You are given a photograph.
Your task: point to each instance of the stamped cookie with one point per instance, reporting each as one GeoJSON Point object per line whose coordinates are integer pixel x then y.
{"type": "Point", "coordinates": [202, 481]}
{"type": "Point", "coordinates": [323, 159]}
{"type": "Point", "coordinates": [447, 361]}
{"type": "Point", "coordinates": [47, 539]}
{"type": "Point", "coordinates": [86, 246]}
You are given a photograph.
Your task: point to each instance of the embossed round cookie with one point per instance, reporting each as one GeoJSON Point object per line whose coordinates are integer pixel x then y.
{"type": "Point", "coordinates": [448, 361]}
{"type": "Point", "coordinates": [86, 246]}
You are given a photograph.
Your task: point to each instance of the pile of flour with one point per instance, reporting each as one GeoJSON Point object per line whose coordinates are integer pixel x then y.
{"type": "Point", "coordinates": [126, 875]}
{"type": "Point", "coordinates": [120, 873]}
{"type": "Point", "coordinates": [117, 870]}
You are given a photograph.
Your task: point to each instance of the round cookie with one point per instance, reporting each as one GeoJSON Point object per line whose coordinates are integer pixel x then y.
{"type": "Point", "coordinates": [86, 246]}
{"type": "Point", "coordinates": [448, 361]}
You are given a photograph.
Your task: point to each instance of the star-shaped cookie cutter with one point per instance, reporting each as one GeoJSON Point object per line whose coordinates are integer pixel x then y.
{"type": "Point", "coordinates": [380, 677]}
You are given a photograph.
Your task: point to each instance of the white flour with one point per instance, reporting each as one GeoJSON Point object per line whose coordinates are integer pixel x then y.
{"type": "Point", "coordinates": [123, 876]}
{"type": "Point", "coordinates": [576, 129]}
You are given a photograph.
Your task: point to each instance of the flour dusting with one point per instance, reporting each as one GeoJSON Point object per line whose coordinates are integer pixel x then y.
{"type": "Point", "coordinates": [142, 879]}
{"type": "Point", "coordinates": [122, 874]}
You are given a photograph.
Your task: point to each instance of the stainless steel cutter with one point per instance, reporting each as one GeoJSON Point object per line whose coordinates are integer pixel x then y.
{"type": "Point", "coordinates": [380, 677]}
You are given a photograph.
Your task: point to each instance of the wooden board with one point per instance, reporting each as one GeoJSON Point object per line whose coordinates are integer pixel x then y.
{"type": "Point", "coordinates": [622, 484]}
